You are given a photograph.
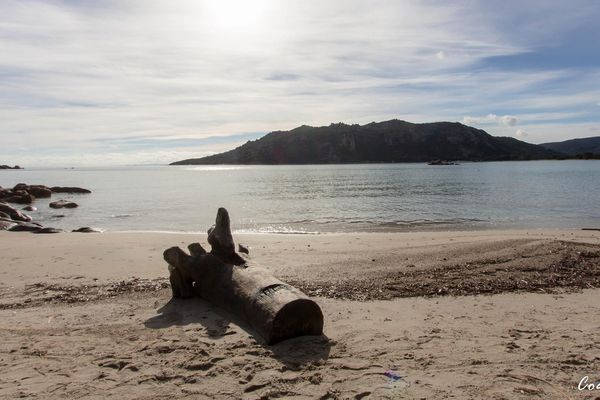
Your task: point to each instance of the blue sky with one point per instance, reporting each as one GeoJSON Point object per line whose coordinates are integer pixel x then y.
{"type": "Point", "coordinates": [117, 82]}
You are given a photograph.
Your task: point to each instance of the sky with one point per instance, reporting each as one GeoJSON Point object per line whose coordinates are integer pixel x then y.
{"type": "Point", "coordinates": [95, 82]}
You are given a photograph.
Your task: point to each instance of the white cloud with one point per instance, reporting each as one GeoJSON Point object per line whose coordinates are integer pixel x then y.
{"type": "Point", "coordinates": [507, 120]}
{"type": "Point", "coordinates": [520, 133]}
{"type": "Point", "coordinates": [91, 71]}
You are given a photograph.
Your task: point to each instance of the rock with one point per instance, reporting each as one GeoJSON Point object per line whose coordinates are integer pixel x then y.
{"type": "Point", "coordinates": [29, 208]}
{"type": "Point", "coordinates": [25, 227]}
{"type": "Point", "coordinates": [4, 215]}
{"type": "Point", "coordinates": [63, 204]}
{"type": "Point", "coordinates": [6, 224]}
{"type": "Point", "coordinates": [5, 193]}
{"type": "Point", "coordinates": [9, 167]}
{"type": "Point", "coordinates": [49, 230]}
{"type": "Point", "coordinates": [441, 162]}
{"type": "Point", "coordinates": [20, 186]}
{"type": "Point", "coordinates": [87, 229]}
{"type": "Point", "coordinates": [14, 214]}
{"type": "Point", "coordinates": [68, 189]}
{"type": "Point", "coordinates": [20, 197]}
{"type": "Point", "coordinates": [40, 191]}
{"type": "Point", "coordinates": [243, 249]}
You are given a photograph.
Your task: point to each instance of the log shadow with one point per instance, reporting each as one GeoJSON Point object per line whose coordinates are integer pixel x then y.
{"type": "Point", "coordinates": [181, 312]}
{"type": "Point", "coordinates": [293, 353]}
{"type": "Point", "coordinates": [296, 352]}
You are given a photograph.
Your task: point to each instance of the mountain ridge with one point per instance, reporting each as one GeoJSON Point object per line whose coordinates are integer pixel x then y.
{"type": "Point", "coordinates": [576, 147]}
{"type": "Point", "coordinates": [384, 142]}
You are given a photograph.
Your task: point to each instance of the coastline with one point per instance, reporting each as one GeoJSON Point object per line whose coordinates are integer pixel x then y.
{"type": "Point", "coordinates": [90, 313]}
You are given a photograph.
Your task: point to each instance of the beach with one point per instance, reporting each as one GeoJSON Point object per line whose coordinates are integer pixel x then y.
{"type": "Point", "coordinates": [472, 314]}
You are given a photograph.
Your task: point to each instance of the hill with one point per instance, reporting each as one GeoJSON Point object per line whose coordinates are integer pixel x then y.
{"type": "Point", "coordinates": [576, 147]}
{"type": "Point", "coordinates": [382, 142]}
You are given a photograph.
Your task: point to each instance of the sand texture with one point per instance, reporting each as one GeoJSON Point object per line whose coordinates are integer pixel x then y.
{"type": "Point", "coordinates": [458, 315]}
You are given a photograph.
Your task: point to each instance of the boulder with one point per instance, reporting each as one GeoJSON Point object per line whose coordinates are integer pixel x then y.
{"type": "Point", "coordinates": [49, 230]}
{"type": "Point", "coordinates": [63, 204]}
{"type": "Point", "coordinates": [20, 197]}
{"type": "Point", "coordinates": [69, 189]}
{"type": "Point", "coordinates": [29, 208]}
{"type": "Point", "coordinates": [20, 186]}
{"type": "Point", "coordinates": [87, 229]}
{"type": "Point", "coordinates": [6, 224]}
{"type": "Point", "coordinates": [4, 215]}
{"type": "Point", "coordinates": [14, 214]}
{"type": "Point", "coordinates": [40, 191]}
{"type": "Point", "coordinates": [4, 192]}
{"type": "Point", "coordinates": [26, 227]}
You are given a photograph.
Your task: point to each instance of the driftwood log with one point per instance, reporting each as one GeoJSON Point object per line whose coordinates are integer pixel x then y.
{"type": "Point", "coordinates": [274, 309]}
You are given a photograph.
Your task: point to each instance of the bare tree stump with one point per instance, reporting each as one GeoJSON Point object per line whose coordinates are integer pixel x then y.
{"type": "Point", "coordinates": [274, 309]}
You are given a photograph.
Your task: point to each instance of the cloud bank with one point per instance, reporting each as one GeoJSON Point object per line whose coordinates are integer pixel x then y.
{"type": "Point", "coordinates": [158, 81]}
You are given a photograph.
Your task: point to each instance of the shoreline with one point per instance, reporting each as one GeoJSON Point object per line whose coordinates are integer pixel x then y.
{"type": "Point", "coordinates": [313, 262]}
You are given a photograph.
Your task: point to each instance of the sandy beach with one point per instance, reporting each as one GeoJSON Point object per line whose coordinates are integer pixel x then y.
{"type": "Point", "coordinates": [461, 315]}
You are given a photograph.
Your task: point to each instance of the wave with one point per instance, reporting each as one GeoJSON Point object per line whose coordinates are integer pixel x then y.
{"type": "Point", "coordinates": [276, 230]}
{"type": "Point", "coordinates": [216, 168]}
{"type": "Point", "coordinates": [122, 215]}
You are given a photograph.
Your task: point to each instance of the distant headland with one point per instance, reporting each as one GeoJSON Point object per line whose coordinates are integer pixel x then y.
{"type": "Point", "coordinates": [9, 167]}
{"type": "Point", "coordinates": [391, 141]}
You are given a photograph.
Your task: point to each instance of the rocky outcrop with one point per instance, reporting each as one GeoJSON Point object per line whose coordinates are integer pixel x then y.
{"type": "Point", "coordinates": [9, 167]}
{"type": "Point", "coordinates": [26, 227]}
{"type": "Point", "coordinates": [86, 229]}
{"type": "Point", "coordinates": [63, 204]}
{"type": "Point", "coordinates": [68, 189]}
{"type": "Point", "coordinates": [14, 220]}
{"type": "Point", "coordinates": [441, 162]}
{"type": "Point", "coordinates": [6, 224]}
{"type": "Point", "coordinates": [40, 191]}
{"type": "Point", "coordinates": [19, 197]}
{"type": "Point", "coordinates": [23, 193]}
{"type": "Point", "coordinates": [49, 230]}
{"type": "Point", "coordinates": [14, 214]}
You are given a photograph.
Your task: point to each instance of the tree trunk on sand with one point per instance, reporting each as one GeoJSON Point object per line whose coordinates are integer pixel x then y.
{"type": "Point", "coordinates": [274, 309]}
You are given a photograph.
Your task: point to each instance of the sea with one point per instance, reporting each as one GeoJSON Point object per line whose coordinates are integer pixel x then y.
{"type": "Point", "coordinates": [312, 199]}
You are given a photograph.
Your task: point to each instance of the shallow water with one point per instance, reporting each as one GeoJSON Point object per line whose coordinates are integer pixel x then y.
{"type": "Point", "coordinates": [325, 198]}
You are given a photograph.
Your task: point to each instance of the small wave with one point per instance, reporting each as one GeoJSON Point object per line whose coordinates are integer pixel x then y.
{"type": "Point", "coordinates": [425, 222]}
{"type": "Point", "coordinates": [160, 231]}
{"type": "Point", "coordinates": [121, 215]}
{"type": "Point", "coordinates": [276, 230]}
{"type": "Point", "coordinates": [215, 168]}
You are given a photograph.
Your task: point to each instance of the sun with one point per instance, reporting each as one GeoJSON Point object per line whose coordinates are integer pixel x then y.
{"type": "Point", "coordinates": [236, 15]}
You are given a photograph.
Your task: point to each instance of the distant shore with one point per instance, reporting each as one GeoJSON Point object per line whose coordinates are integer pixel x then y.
{"type": "Point", "coordinates": [96, 308]}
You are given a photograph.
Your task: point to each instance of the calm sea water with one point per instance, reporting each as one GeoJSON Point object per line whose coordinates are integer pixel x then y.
{"type": "Point", "coordinates": [325, 198]}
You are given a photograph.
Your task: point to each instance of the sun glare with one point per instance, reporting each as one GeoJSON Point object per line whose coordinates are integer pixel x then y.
{"type": "Point", "coordinates": [236, 15]}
